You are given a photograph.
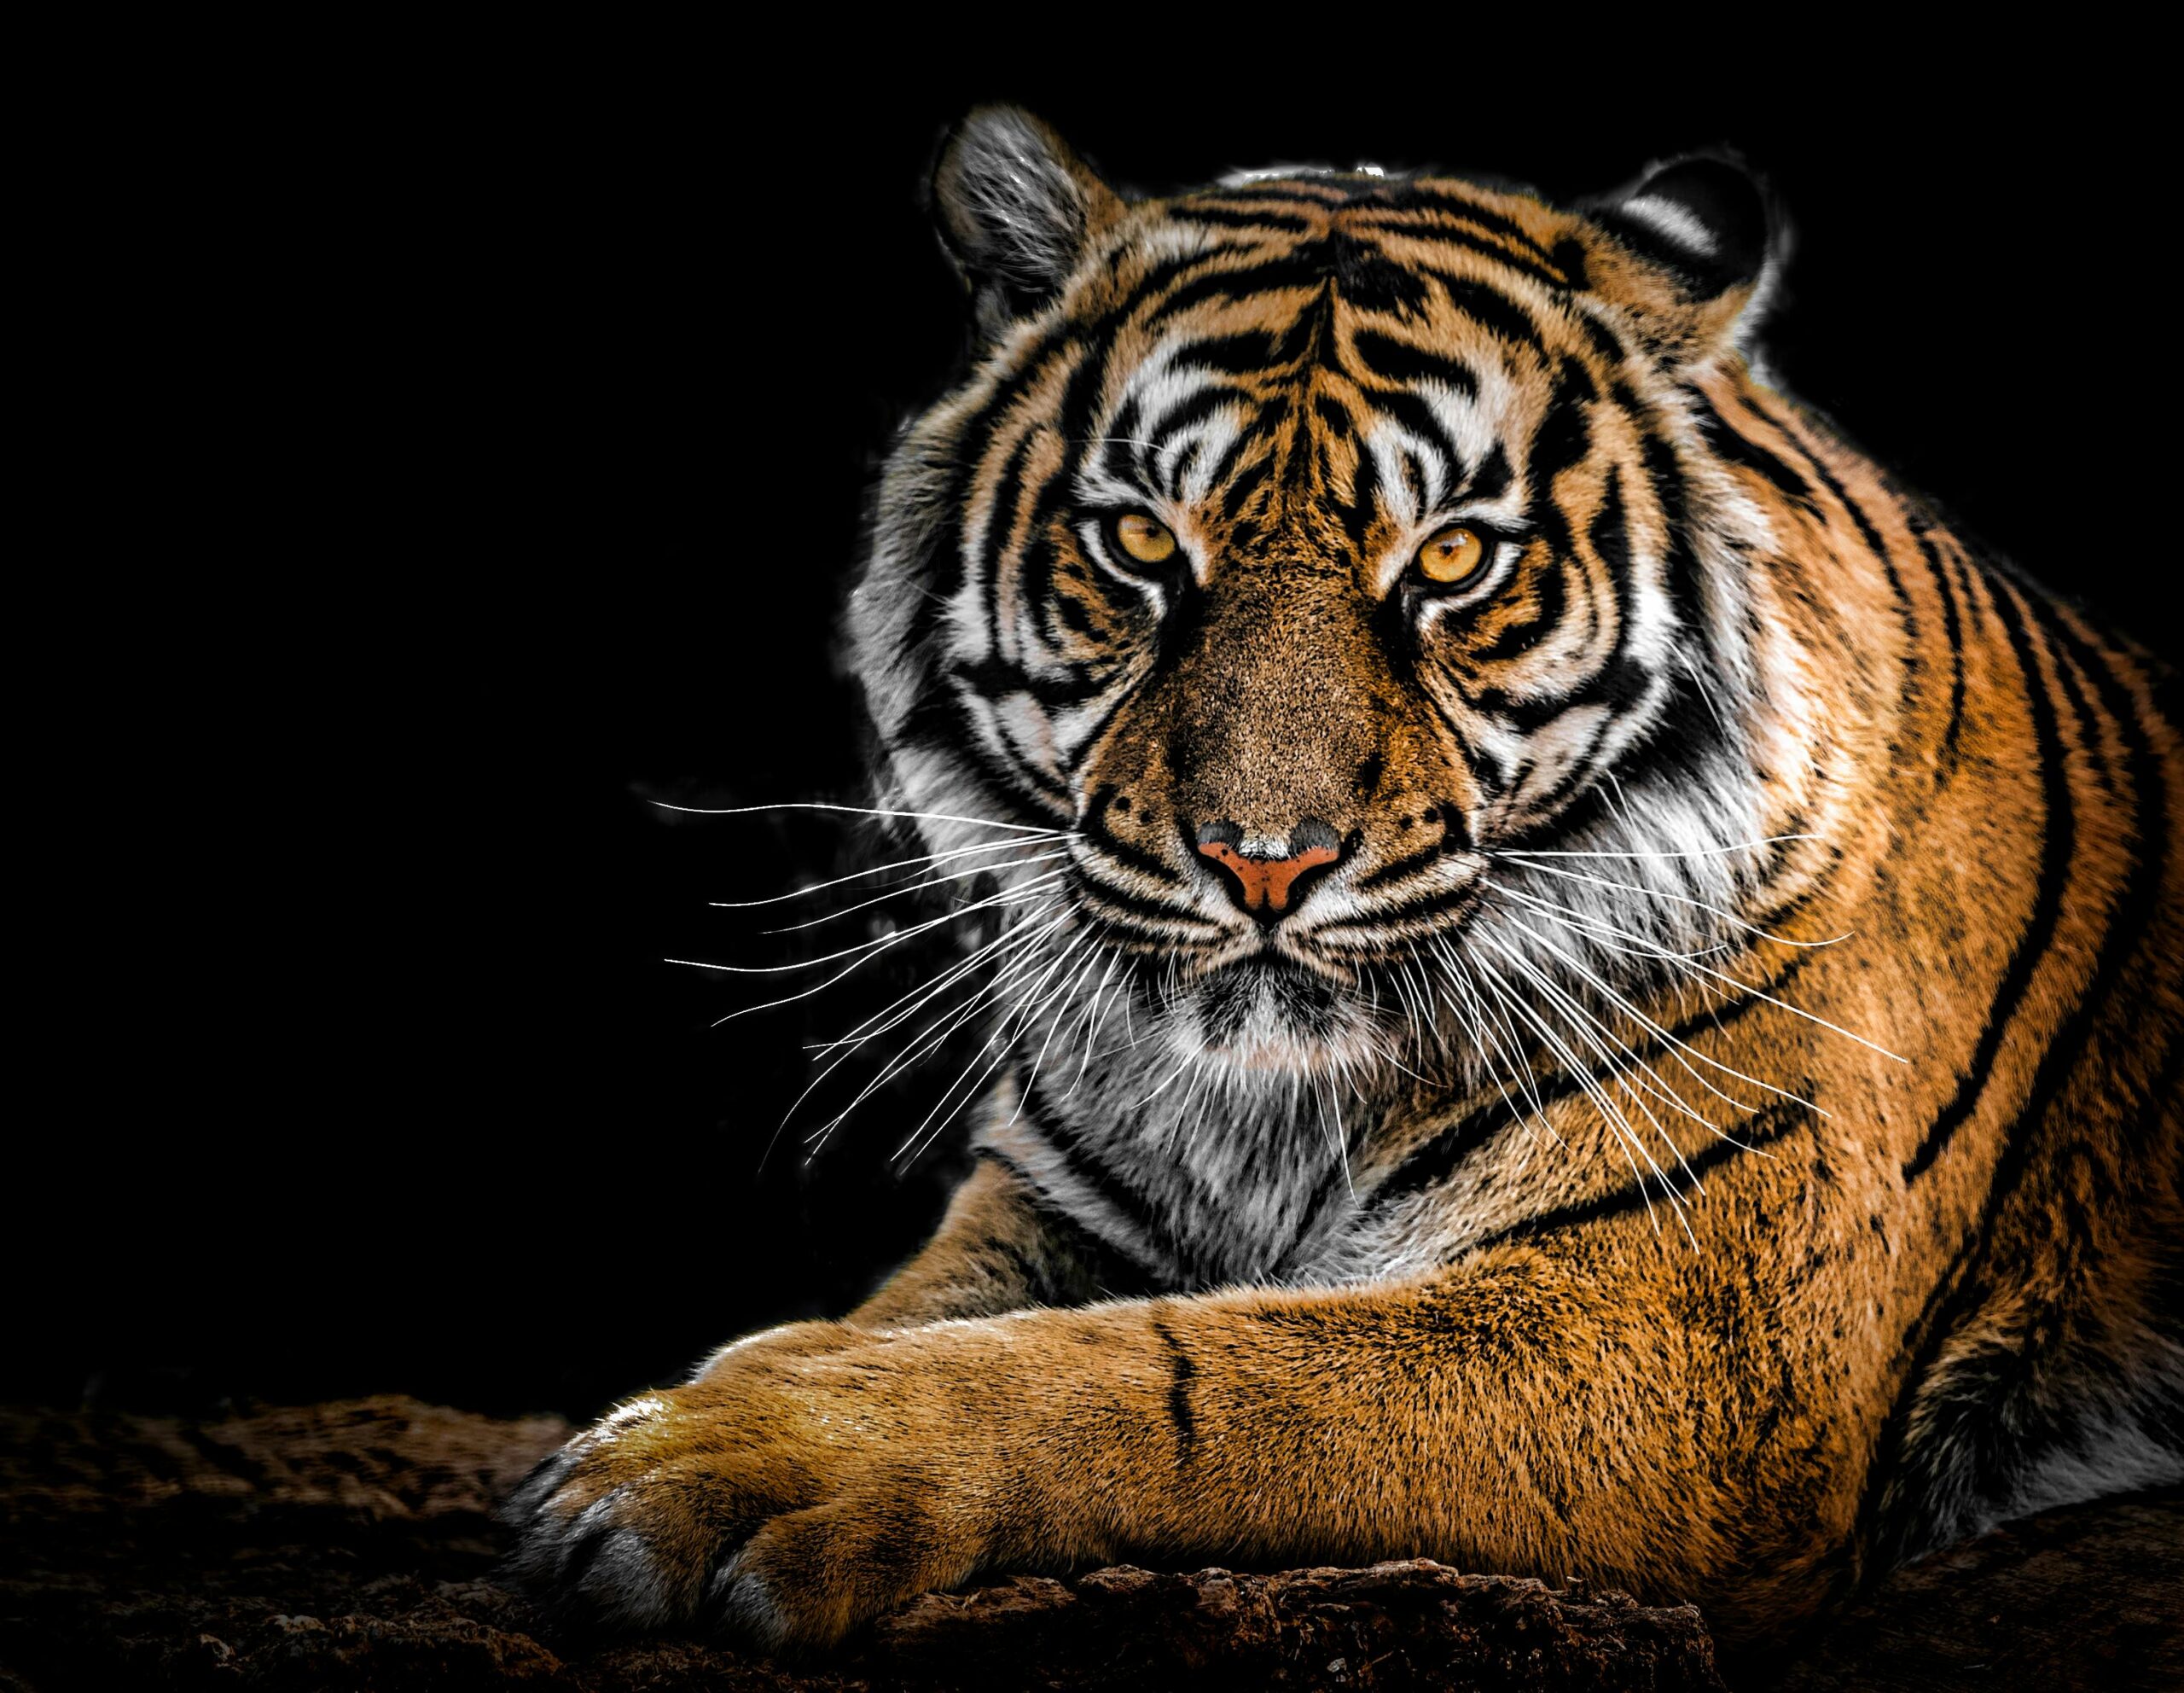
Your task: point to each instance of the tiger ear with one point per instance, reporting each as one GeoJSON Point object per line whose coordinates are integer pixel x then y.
{"type": "Point", "coordinates": [1711, 227]}
{"type": "Point", "coordinates": [1016, 210]}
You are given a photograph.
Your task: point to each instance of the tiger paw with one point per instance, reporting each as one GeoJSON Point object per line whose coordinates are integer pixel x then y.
{"type": "Point", "coordinates": [787, 1495]}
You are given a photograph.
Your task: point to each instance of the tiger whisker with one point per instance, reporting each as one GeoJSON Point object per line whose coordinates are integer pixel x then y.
{"type": "Point", "coordinates": [918, 1138]}
{"type": "Point", "coordinates": [1677, 1047]}
{"type": "Point", "coordinates": [1681, 899]}
{"type": "Point", "coordinates": [1114, 959]}
{"type": "Point", "coordinates": [907, 1006]}
{"type": "Point", "coordinates": [923, 859]}
{"type": "Point", "coordinates": [1694, 852]}
{"type": "Point", "coordinates": [1188, 1059]}
{"type": "Point", "coordinates": [1338, 1140]}
{"type": "Point", "coordinates": [856, 810]}
{"type": "Point", "coordinates": [900, 889]}
{"type": "Point", "coordinates": [871, 951]}
{"type": "Point", "coordinates": [1060, 1000]}
{"type": "Point", "coordinates": [1491, 1016]}
{"type": "Point", "coordinates": [1594, 1031]}
{"type": "Point", "coordinates": [1634, 1144]}
{"type": "Point", "coordinates": [1482, 1026]}
{"type": "Point", "coordinates": [1688, 962]}
{"type": "Point", "coordinates": [1512, 1002]}
{"type": "Point", "coordinates": [878, 942]}
{"type": "Point", "coordinates": [936, 1034]}
{"type": "Point", "coordinates": [1023, 941]}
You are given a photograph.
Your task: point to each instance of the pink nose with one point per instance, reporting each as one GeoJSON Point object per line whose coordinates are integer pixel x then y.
{"type": "Point", "coordinates": [1264, 886]}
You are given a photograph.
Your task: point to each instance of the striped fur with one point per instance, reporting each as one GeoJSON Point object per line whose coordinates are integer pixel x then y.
{"type": "Point", "coordinates": [1714, 1130]}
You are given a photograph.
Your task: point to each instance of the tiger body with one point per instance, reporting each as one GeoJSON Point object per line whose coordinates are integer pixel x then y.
{"type": "Point", "coordinates": [1705, 1119]}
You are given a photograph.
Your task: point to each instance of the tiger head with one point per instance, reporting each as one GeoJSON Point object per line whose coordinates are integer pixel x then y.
{"type": "Point", "coordinates": [1296, 546]}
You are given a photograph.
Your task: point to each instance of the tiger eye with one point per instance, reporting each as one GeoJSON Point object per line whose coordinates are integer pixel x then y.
{"type": "Point", "coordinates": [1146, 539]}
{"type": "Point", "coordinates": [1453, 556]}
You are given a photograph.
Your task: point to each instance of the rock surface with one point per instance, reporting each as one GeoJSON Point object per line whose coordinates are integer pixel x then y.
{"type": "Point", "coordinates": [351, 1546]}
{"type": "Point", "coordinates": [2088, 1596]}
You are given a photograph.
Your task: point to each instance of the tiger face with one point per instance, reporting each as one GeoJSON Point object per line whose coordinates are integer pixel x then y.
{"type": "Point", "coordinates": [1298, 545]}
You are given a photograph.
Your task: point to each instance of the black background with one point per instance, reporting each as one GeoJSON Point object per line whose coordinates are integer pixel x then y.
{"type": "Point", "coordinates": [574, 369]}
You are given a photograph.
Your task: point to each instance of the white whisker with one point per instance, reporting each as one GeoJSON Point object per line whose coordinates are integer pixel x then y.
{"type": "Point", "coordinates": [902, 889]}
{"type": "Point", "coordinates": [856, 811]}
{"type": "Point", "coordinates": [879, 870]}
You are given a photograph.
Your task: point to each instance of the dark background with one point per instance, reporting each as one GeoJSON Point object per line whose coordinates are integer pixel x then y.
{"type": "Point", "coordinates": [574, 368]}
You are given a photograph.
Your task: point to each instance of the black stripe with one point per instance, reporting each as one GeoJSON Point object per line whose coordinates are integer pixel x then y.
{"type": "Point", "coordinates": [1762, 1129]}
{"type": "Point", "coordinates": [1299, 269]}
{"type": "Point", "coordinates": [1442, 234]}
{"type": "Point", "coordinates": [2082, 713]}
{"type": "Point", "coordinates": [1182, 1370]}
{"type": "Point", "coordinates": [2058, 840]}
{"type": "Point", "coordinates": [1194, 410]}
{"type": "Point", "coordinates": [1364, 499]}
{"type": "Point", "coordinates": [1398, 869]}
{"type": "Point", "coordinates": [1491, 479]}
{"type": "Point", "coordinates": [1953, 634]}
{"type": "Point", "coordinates": [1687, 594]}
{"type": "Point", "coordinates": [1889, 1525]}
{"type": "Point", "coordinates": [1436, 1159]}
{"type": "Point", "coordinates": [1441, 197]}
{"type": "Point", "coordinates": [1913, 663]}
{"type": "Point", "coordinates": [1733, 448]}
{"type": "Point", "coordinates": [1443, 904]}
{"type": "Point", "coordinates": [1444, 197]}
{"type": "Point", "coordinates": [1231, 355]}
{"type": "Point", "coordinates": [993, 679]}
{"type": "Point", "coordinates": [939, 718]}
{"type": "Point", "coordinates": [1271, 221]}
{"type": "Point", "coordinates": [1493, 310]}
{"type": "Point", "coordinates": [1131, 1203]}
{"type": "Point", "coordinates": [1264, 422]}
{"type": "Point", "coordinates": [1239, 491]}
{"type": "Point", "coordinates": [1117, 1273]}
{"type": "Point", "coordinates": [1564, 432]}
{"type": "Point", "coordinates": [1122, 455]}
{"type": "Point", "coordinates": [1604, 339]}
{"type": "Point", "coordinates": [1132, 904]}
{"type": "Point", "coordinates": [1400, 361]}
{"type": "Point", "coordinates": [1419, 420]}
{"type": "Point", "coordinates": [1550, 601]}
{"type": "Point", "coordinates": [1093, 826]}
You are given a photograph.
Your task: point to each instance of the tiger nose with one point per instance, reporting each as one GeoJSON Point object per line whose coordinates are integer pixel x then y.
{"type": "Point", "coordinates": [1269, 884]}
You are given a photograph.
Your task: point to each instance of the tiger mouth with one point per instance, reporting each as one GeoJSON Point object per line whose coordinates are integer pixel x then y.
{"type": "Point", "coordinates": [1265, 1000]}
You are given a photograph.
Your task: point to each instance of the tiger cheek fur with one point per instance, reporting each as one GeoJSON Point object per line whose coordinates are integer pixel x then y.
{"type": "Point", "coordinates": [1582, 986]}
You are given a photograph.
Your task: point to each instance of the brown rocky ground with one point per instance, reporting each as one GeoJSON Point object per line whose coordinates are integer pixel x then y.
{"type": "Point", "coordinates": [350, 1546]}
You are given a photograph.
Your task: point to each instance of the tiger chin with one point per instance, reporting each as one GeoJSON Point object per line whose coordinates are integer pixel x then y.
{"type": "Point", "coordinates": [1587, 987]}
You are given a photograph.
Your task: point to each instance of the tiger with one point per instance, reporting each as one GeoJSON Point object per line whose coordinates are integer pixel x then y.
{"type": "Point", "coordinates": [1580, 984]}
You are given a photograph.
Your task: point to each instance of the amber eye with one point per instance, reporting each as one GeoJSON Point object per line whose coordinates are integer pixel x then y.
{"type": "Point", "coordinates": [1453, 556]}
{"type": "Point", "coordinates": [1144, 540]}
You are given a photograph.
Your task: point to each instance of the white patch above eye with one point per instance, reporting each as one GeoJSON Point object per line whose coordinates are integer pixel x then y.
{"type": "Point", "coordinates": [1473, 423]}
{"type": "Point", "coordinates": [1156, 389]}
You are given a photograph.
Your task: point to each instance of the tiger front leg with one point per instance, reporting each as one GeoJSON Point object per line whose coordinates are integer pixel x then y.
{"type": "Point", "coordinates": [1510, 1417]}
